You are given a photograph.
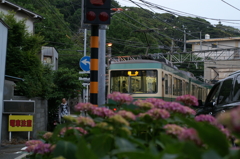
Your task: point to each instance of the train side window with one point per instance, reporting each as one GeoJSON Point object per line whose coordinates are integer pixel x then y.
{"type": "Point", "coordinates": [180, 88]}
{"type": "Point", "coordinates": [187, 88]}
{"type": "Point", "coordinates": [170, 86]}
{"type": "Point", "coordinates": [175, 86]}
{"type": "Point", "coordinates": [166, 83]}
{"type": "Point", "coordinates": [236, 95]}
{"type": "Point", "coordinates": [225, 92]}
{"type": "Point", "coordinates": [184, 88]}
{"type": "Point", "coordinates": [193, 90]}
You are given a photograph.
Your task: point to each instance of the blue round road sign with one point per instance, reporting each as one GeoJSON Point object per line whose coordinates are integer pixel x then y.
{"type": "Point", "coordinates": [84, 63]}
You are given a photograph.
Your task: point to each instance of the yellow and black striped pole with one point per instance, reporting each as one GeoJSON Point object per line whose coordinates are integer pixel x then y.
{"type": "Point", "coordinates": [94, 65]}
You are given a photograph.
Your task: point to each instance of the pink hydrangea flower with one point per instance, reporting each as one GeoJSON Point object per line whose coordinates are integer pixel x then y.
{"type": "Point", "coordinates": [38, 147]}
{"type": "Point", "coordinates": [206, 118]}
{"type": "Point", "coordinates": [188, 100]}
{"type": "Point", "coordinates": [190, 134]}
{"type": "Point", "coordinates": [176, 107]}
{"type": "Point", "coordinates": [120, 98]}
{"type": "Point", "coordinates": [42, 148]}
{"type": "Point", "coordinates": [118, 119]}
{"type": "Point", "coordinates": [81, 130]}
{"type": "Point", "coordinates": [231, 119]}
{"type": "Point", "coordinates": [143, 104]}
{"type": "Point", "coordinates": [85, 121]}
{"type": "Point", "coordinates": [83, 107]}
{"type": "Point", "coordinates": [33, 142]}
{"type": "Point", "coordinates": [30, 148]}
{"type": "Point", "coordinates": [173, 129]}
{"type": "Point", "coordinates": [156, 113]}
{"type": "Point", "coordinates": [183, 133]}
{"type": "Point", "coordinates": [226, 132]}
{"type": "Point", "coordinates": [102, 112]}
{"type": "Point", "coordinates": [47, 135]}
{"type": "Point", "coordinates": [213, 121]}
{"type": "Point", "coordinates": [126, 114]}
{"type": "Point", "coordinates": [158, 103]}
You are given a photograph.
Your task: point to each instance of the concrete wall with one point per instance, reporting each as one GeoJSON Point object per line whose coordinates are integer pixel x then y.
{"type": "Point", "coordinates": [19, 16]}
{"type": "Point", "coordinates": [40, 118]}
{"type": "Point", "coordinates": [223, 68]}
{"type": "Point", "coordinates": [220, 45]}
{"type": "Point", "coordinates": [49, 53]}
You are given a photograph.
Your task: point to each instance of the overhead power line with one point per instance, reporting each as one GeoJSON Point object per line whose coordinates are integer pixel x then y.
{"type": "Point", "coordinates": [231, 5]}
{"type": "Point", "coordinates": [149, 6]}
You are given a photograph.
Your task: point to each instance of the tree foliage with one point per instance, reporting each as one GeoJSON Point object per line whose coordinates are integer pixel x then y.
{"type": "Point", "coordinates": [23, 61]}
{"type": "Point", "coordinates": [62, 17]}
{"type": "Point", "coordinates": [67, 84]}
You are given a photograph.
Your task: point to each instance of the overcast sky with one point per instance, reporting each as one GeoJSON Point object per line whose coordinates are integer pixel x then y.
{"type": "Point", "coordinates": [216, 9]}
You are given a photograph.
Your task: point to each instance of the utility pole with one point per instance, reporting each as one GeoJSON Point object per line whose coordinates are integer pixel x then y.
{"type": "Point", "coordinates": [95, 13]}
{"type": "Point", "coordinates": [172, 46]}
{"type": "Point", "coordinates": [201, 40]}
{"type": "Point", "coordinates": [144, 31]}
{"type": "Point", "coordinates": [85, 42]}
{"type": "Point", "coordinates": [184, 50]}
{"type": "Point", "coordinates": [94, 65]}
{"type": "Point", "coordinates": [102, 66]}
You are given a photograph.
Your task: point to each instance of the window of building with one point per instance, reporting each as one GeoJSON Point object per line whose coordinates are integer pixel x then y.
{"type": "Point", "coordinates": [47, 59]}
{"type": "Point", "coordinates": [214, 46]}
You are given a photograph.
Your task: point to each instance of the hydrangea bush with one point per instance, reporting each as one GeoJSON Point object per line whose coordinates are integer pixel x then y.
{"type": "Point", "coordinates": [154, 129]}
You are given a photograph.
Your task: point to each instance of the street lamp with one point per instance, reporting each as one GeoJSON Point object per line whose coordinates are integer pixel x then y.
{"type": "Point", "coordinates": [109, 45]}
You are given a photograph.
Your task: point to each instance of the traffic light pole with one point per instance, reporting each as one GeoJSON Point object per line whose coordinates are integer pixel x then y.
{"type": "Point", "coordinates": [102, 66]}
{"type": "Point", "coordinates": [94, 44]}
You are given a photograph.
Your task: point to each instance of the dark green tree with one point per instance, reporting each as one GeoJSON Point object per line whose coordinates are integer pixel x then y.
{"type": "Point", "coordinates": [23, 61]}
{"type": "Point", "coordinates": [67, 84]}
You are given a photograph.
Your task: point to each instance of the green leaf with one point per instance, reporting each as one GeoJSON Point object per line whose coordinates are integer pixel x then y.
{"type": "Point", "coordinates": [136, 155]}
{"type": "Point", "coordinates": [211, 136]}
{"type": "Point", "coordinates": [169, 156]}
{"type": "Point", "coordinates": [210, 154]}
{"type": "Point", "coordinates": [190, 150]}
{"type": "Point", "coordinates": [65, 149]}
{"type": "Point", "coordinates": [124, 144]}
{"type": "Point", "coordinates": [101, 144]}
{"type": "Point", "coordinates": [84, 152]}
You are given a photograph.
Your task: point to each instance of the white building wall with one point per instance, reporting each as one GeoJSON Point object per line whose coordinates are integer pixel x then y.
{"type": "Point", "coordinates": [3, 50]}
{"type": "Point", "coordinates": [49, 55]}
{"type": "Point", "coordinates": [19, 16]}
{"type": "Point", "coordinates": [220, 55]}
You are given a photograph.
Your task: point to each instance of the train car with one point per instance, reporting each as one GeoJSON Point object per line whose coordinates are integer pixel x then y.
{"type": "Point", "coordinates": [153, 79]}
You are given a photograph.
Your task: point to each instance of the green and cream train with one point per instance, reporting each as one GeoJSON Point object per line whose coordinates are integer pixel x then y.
{"type": "Point", "coordinates": [152, 78]}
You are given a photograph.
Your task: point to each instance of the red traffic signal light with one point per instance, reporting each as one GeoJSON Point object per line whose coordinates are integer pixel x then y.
{"type": "Point", "coordinates": [97, 12]}
{"type": "Point", "coordinates": [97, 2]}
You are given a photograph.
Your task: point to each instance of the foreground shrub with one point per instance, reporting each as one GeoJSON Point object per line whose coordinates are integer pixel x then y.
{"type": "Point", "coordinates": [154, 129]}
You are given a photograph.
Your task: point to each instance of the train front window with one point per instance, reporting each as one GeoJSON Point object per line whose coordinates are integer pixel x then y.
{"type": "Point", "coordinates": [133, 81]}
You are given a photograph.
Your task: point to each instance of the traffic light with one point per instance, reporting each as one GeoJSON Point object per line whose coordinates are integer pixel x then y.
{"type": "Point", "coordinates": [97, 12]}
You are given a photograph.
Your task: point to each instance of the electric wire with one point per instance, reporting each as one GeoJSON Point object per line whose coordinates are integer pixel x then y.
{"type": "Point", "coordinates": [180, 13]}
{"type": "Point", "coordinates": [166, 22]}
{"type": "Point", "coordinates": [188, 14]}
{"type": "Point", "coordinates": [48, 7]}
{"type": "Point", "coordinates": [230, 5]}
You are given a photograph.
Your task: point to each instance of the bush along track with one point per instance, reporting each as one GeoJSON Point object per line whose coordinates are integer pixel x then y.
{"type": "Point", "coordinates": [155, 129]}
